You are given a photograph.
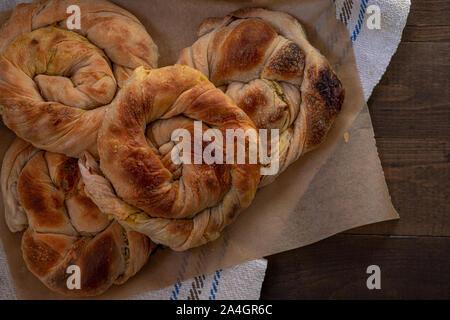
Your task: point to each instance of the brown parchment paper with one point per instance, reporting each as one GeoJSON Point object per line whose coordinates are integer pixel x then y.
{"type": "Point", "coordinates": [337, 187]}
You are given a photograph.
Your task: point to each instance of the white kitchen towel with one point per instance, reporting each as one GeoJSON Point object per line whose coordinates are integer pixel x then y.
{"type": "Point", "coordinates": [241, 282]}
{"type": "Point", "coordinates": [373, 50]}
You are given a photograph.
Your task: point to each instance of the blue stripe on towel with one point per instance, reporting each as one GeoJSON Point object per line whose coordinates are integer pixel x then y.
{"type": "Point", "coordinates": [358, 27]}
{"type": "Point", "coordinates": [215, 285]}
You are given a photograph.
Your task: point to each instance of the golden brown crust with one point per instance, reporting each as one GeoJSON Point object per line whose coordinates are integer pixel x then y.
{"type": "Point", "coordinates": [16, 157]}
{"type": "Point", "coordinates": [65, 227]}
{"type": "Point", "coordinates": [41, 257]}
{"type": "Point", "coordinates": [286, 64]}
{"type": "Point", "coordinates": [324, 101]}
{"type": "Point", "coordinates": [55, 83]}
{"type": "Point", "coordinates": [180, 207]}
{"type": "Point", "coordinates": [42, 200]}
{"type": "Point", "coordinates": [273, 73]}
{"type": "Point", "coordinates": [243, 49]}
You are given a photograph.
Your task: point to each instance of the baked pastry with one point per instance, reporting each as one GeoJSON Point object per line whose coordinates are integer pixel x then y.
{"type": "Point", "coordinates": [264, 62]}
{"type": "Point", "coordinates": [43, 193]}
{"type": "Point", "coordinates": [179, 205]}
{"type": "Point", "coordinates": [54, 82]}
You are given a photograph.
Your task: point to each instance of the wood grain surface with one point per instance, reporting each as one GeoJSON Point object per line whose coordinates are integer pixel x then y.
{"type": "Point", "coordinates": [410, 111]}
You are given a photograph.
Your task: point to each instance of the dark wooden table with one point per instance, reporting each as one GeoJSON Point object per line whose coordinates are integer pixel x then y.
{"type": "Point", "coordinates": [410, 112]}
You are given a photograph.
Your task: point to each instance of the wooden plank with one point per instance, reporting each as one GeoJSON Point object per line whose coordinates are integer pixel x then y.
{"type": "Point", "coordinates": [426, 33]}
{"type": "Point", "coordinates": [429, 12]}
{"type": "Point", "coordinates": [413, 97]}
{"type": "Point", "coordinates": [420, 195]}
{"type": "Point", "coordinates": [406, 152]}
{"type": "Point", "coordinates": [410, 114]}
{"type": "Point", "coordinates": [417, 174]}
{"type": "Point", "coordinates": [411, 268]}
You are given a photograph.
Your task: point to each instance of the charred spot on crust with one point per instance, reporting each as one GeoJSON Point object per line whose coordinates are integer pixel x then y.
{"type": "Point", "coordinates": [324, 100]}
{"type": "Point", "coordinates": [69, 174]}
{"type": "Point", "coordinates": [288, 62]}
{"type": "Point", "coordinates": [329, 88]}
{"type": "Point", "coordinates": [34, 42]}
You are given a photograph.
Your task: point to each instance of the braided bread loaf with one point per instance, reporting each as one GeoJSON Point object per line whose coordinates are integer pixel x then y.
{"type": "Point", "coordinates": [44, 193]}
{"type": "Point", "coordinates": [263, 61]}
{"type": "Point", "coordinates": [54, 83]}
{"type": "Point", "coordinates": [180, 205]}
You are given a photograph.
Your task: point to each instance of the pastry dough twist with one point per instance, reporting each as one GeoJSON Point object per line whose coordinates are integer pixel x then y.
{"type": "Point", "coordinates": [263, 61]}
{"type": "Point", "coordinates": [44, 194]}
{"type": "Point", "coordinates": [178, 205]}
{"type": "Point", "coordinates": [55, 83]}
